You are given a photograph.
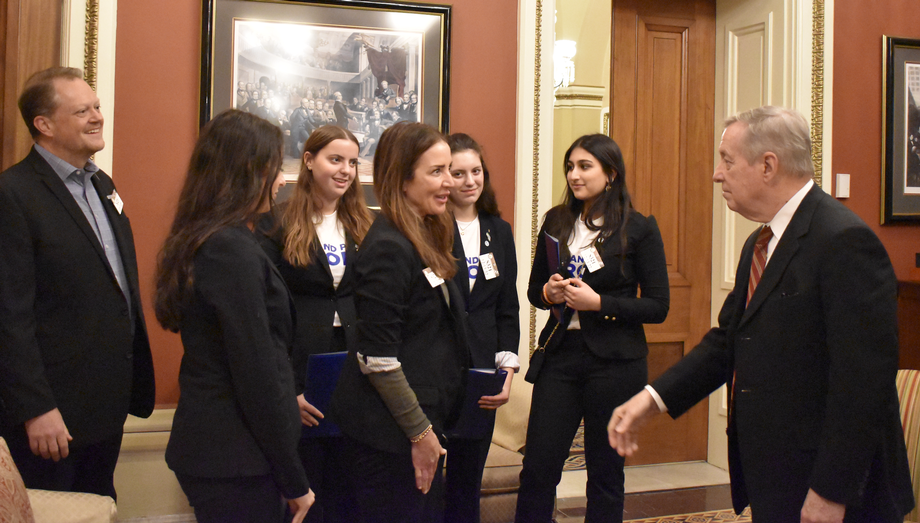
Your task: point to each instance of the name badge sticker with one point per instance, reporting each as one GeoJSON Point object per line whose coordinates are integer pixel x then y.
{"type": "Point", "coordinates": [433, 278]}
{"type": "Point", "coordinates": [116, 201]}
{"type": "Point", "coordinates": [487, 261]}
{"type": "Point", "coordinates": [592, 258]}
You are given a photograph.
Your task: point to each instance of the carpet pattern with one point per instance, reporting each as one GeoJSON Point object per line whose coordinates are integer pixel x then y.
{"type": "Point", "coordinates": [576, 459]}
{"type": "Point", "coordinates": [718, 516]}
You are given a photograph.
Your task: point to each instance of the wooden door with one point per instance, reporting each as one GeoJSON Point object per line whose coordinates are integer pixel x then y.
{"type": "Point", "coordinates": [30, 37]}
{"type": "Point", "coordinates": [662, 93]}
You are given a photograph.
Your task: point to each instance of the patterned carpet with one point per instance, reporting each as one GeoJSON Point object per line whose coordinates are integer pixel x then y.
{"type": "Point", "coordinates": [576, 459]}
{"type": "Point", "coordinates": [719, 516]}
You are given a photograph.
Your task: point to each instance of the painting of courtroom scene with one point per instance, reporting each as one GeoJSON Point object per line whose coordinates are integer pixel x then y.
{"type": "Point", "coordinates": [302, 76]}
{"type": "Point", "coordinates": [912, 165]}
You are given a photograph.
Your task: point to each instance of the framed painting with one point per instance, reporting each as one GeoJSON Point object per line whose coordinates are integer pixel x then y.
{"type": "Point", "coordinates": [359, 64]}
{"type": "Point", "coordinates": [901, 130]}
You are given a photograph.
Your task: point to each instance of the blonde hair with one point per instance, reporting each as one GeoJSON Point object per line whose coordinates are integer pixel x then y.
{"type": "Point", "coordinates": [304, 205]}
{"type": "Point", "coordinates": [399, 149]}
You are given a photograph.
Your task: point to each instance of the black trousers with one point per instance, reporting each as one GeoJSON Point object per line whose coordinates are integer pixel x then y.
{"type": "Point", "coordinates": [574, 384]}
{"type": "Point", "coordinates": [466, 459]}
{"type": "Point", "coordinates": [322, 461]}
{"type": "Point", "coordinates": [247, 499]}
{"type": "Point", "coordinates": [384, 486]}
{"type": "Point", "coordinates": [87, 468]}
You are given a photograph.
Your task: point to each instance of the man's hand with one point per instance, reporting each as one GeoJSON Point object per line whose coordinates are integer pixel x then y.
{"type": "Point", "coordinates": [626, 421]}
{"type": "Point", "coordinates": [300, 506]}
{"type": "Point", "coordinates": [309, 415]}
{"type": "Point", "coordinates": [48, 436]}
{"type": "Point", "coordinates": [819, 510]}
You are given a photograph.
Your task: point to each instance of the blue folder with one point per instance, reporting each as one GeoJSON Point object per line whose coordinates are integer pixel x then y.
{"type": "Point", "coordinates": [475, 422]}
{"type": "Point", "coordinates": [322, 376]}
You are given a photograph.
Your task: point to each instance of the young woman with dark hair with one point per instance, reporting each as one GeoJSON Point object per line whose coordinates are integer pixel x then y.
{"type": "Point", "coordinates": [490, 299]}
{"type": "Point", "coordinates": [595, 352]}
{"type": "Point", "coordinates": [233, 444]}
{"type": "Point", "coordinates": [321, 226]}
{"type": "Point", "coordinates": [402, 382]}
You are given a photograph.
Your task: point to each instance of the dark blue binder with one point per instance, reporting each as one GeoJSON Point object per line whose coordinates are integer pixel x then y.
{"type": "Point", "coordinates": [475, 422]}
{"type": "Point", "coordinates": [322, 376]}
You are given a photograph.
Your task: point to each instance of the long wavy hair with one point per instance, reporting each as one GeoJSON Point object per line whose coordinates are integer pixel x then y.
{"type": "Point", "coordinates": [305, 205]}
{"type": "Point", "coordinates": [235, 161]}
{"type": "Point", "coordinates": [460, 142]}
{"type": "Point", "coordinates": [399, 149]}
{"type": "Point", "coordinates": [613, 205]}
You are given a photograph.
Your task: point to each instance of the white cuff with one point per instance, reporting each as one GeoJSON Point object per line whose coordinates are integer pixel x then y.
{"type": "Point", "coordinates": [369, 364]}
{"type": "Point", "coordinates": [661, 406]}
{"type": "Point", "coordinates": [507, 359]}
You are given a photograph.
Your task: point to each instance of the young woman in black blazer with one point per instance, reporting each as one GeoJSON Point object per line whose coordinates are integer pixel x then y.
{"type": "Point", "coordinates": [321, 226]}
{"type": "Point", "coordinates": [402, 382]}
{"type": "Point", "coordinates": [491, 303]}
{"type": "Point", "coordinates": [596, 358]}
{"type": "Point", "coordinates": [233, 444]}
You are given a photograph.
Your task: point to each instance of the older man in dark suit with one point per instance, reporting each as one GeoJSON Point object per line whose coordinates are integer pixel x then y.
{"type": "Point", "coordinates": [74, 354]}
{"type": "Point", "coordinates": [807, 343]}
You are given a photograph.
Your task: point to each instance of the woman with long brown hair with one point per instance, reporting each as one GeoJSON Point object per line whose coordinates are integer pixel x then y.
{"type": "Point", "coordinates": [322, 224]}
{"type": "Point", "coordinates": [595, 346]}
{"type": "Point", "coordinates": [487, 279]}
{"type": "Point", "coordinates": [402, 382]}
{"type": "Point", "coordinates": [233, 444]}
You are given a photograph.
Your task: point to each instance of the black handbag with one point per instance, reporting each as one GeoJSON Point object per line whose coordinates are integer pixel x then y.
{"type": "Point", "coordinates": [537, 357]}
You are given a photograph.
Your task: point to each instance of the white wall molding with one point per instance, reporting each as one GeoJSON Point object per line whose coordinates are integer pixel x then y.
{"type": "Point", "coordinates": [82, 19]}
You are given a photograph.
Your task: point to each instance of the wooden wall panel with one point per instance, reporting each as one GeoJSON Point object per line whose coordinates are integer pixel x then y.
{"type": "Point", "coordinates": [31, 42]}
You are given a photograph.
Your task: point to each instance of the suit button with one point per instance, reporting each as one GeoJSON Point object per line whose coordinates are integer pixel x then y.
{"type": "Point", "coordinates": [129, 355]}
{"type": "Point", "coordinates": [124, 312]}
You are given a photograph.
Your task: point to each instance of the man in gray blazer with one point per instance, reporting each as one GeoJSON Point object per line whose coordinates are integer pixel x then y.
{"type": "Point", "coordinates": [74, 353]}
{"type": "Point", "coordinates": [807, 344]}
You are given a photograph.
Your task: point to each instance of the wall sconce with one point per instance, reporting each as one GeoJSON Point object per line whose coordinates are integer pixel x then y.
{"type": "Point", "coordinates": [563, 66]}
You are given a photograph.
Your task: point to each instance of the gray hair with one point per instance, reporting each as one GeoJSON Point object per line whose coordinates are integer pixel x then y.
{"type": "Point", "coordinates": [783, 132]}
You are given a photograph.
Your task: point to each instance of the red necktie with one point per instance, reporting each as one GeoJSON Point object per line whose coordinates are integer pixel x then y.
{"type": "Point", "coordinates": [760, 260]}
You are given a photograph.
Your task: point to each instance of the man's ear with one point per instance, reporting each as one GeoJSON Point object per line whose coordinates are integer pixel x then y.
{"type": "Point", "coordinates": [770, 166]}
{"type": "Point", "coordinates": [44, 125]}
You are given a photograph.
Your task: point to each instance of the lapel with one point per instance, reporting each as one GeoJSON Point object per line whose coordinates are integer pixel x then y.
{"type": "Point", "coordinates": [351, 252]}
{"type": "Point", "coordinates": [324, 260]}
{"type": "Point", "coordinates": [461, 279]}
{"type": "Point", "coordinates": [57, 187]}
{"type": "Point", "coordinates": [486, 245]}
{"type": "Point", "coordinates": [120, 229]}
{"type": "Point", "coordinates": [785, 251]}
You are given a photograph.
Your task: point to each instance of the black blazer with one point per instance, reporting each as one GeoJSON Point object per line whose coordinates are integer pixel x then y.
{"type": "Point", "coordinates": [65, 328]}
{"type": "Point", "coordinates": [815, 354]}
{"type": "Point", "coordinates": [492, 307]}
{"type": "Point", "coordinates": [616, 330]}
{"type": "Point", "coordinates": [316, 300]}
{"type": "Point", "coordinates": [237, 413]}
{"type": "Point", "coordinates": [401, 315]}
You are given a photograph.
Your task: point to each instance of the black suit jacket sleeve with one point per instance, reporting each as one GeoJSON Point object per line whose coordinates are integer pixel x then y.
{"type": "Point", "coordinates": [231, 278]}
{"type": "Point", "coordinates": [859, 301]}
{"type": "Point", "coordinates": [508, 308]}
{"type": "Point", "coordinates": [26, 392]}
